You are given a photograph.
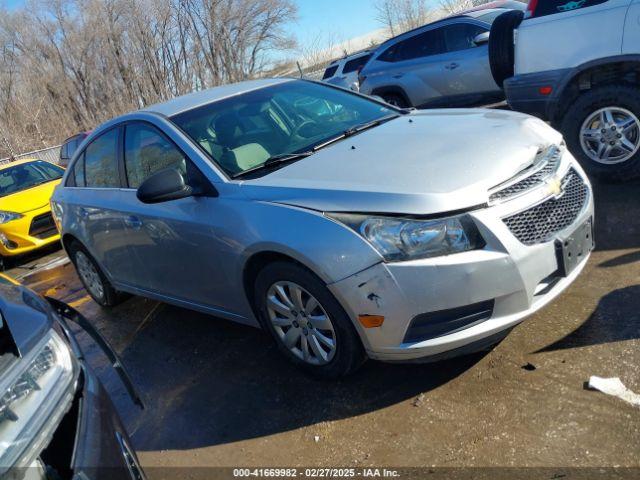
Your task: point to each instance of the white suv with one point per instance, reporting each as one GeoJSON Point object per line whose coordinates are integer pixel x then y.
{"type": "Point", "coordinates": [344, 72]}
{"type": "Point", "coordinates": [576, 63]}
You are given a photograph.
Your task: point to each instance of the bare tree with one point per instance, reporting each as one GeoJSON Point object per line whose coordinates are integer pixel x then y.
{"type": "Point", "coordinates": [451, 7]}
{"type": "Point", "coordinates": [398, 16]}
{"type": "Point", "coordinates": [68, 65]}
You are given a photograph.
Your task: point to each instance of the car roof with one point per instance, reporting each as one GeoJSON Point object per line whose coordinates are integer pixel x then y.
{"type": "Point", "coordinates": [475, 13]}
{"type": "Point", "coordinates": [204, 97]}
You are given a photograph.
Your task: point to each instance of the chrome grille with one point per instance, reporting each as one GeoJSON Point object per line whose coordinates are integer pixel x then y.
{"type": "Point", "coordinates": [540, 223]}
{"type": "Point", "coordinates": [545, 166]}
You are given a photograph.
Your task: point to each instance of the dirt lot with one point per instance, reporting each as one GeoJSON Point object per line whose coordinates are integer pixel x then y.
{"type": "Point", "coordinates": [219, 394]}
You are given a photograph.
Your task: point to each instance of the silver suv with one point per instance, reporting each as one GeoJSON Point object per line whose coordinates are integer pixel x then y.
{"type": "Point", "coordinates": [445, 63]}
{"type": "Point", "coordinates": [344, 227]}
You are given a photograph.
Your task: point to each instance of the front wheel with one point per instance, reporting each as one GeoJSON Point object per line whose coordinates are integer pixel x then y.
{"type": "Point", "coordinates": [307, 323]}
{"type": "Point", "coordinates": [602, 130]}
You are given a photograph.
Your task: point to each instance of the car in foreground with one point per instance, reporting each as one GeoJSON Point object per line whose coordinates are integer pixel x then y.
{"type": "Point", "coordinates": [26, 223]}
{"type": "Point", "coordinates": [441, 64]}
{"type": "Point", "coordinates": [341, 225]}
{"type": "Point", "coordinates": [56, 420]}
{"type": "Point", "coordinates": [344, 72]}
{"type": "Point", "coordinates": [586, 85]}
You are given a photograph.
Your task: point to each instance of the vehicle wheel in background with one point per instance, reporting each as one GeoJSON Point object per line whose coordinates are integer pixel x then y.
{"type": "Point", "coordinates": [501, 54]}
{"type": "Point", "coordinates": [396, 100]}
{"type": "Point", "coordinates": [92, 278]}
{"type": "Point", "coordinates": [308, 324]}
{"type": "Point", "coordinates": [602, 130]}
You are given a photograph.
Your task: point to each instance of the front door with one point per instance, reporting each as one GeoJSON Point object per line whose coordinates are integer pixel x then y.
{"type": "Point", "coordinates": [176, 247]}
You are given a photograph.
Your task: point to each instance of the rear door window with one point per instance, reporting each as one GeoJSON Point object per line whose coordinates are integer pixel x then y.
{"type": "Point", "coordinates": [147, 151]}
{"type": "Point", "coordinates": [101, 161]}
{"type": "Point", "coordinates": [460, 36]}
{"type": "Point", "coordinates": [76, 177]}
{"type": "Point", "coordinates": [355, 64]}
{"type": "Point", "coordinates": [421, 45]}
{"type": "Point", "coordinates": [330, 72]}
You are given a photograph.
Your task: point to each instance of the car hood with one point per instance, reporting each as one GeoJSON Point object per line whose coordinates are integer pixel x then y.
{"type": "Point", "coordinates": [29, 199]}
{"type": "Point", "coordinates": [424, 163]}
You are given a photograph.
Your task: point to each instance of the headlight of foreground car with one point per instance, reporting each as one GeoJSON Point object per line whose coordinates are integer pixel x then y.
{"type": "Point", "coordinates": [401, 239]}
{"type": "Point", "coordinates": [34, 396]}
{"type": "Point", "coordinates": [8, 216]}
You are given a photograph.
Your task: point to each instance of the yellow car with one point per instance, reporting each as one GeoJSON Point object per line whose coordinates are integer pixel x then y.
{"type": "Point", "coordinates": [26, 223]}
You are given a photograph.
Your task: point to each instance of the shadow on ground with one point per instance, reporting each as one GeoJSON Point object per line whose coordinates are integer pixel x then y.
{"type": "Point", "coordinates": [616, 318]}
{"type": "Point", "coordinates": [208, 382]}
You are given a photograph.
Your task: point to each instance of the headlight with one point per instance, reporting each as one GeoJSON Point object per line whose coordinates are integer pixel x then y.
{"type": "Point", "coordinates": [399, 239]}
{"type": "Point", "coordinates": [33, 397]}
{"type": "Point", "coordinates": [8, 216]}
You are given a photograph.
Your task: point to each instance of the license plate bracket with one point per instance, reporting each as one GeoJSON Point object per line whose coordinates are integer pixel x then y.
{"type": "Point", "coordinates": [574, 248]}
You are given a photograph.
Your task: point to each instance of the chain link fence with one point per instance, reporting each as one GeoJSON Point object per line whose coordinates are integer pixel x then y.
{"type": "Point", "coordinates": [51, 154]}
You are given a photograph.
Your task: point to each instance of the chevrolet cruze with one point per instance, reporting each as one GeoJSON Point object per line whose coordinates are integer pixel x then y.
{"type": "Point", "coordinates": [347, 228]}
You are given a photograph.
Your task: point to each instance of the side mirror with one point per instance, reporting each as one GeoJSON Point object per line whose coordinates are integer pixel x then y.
{"type": "Point", "coordinates": [166, 185]}
{"type": "Point", "coordinates": [481, 38]}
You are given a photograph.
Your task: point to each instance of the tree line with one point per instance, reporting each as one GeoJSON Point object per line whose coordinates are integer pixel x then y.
{"type": "Point", "coordinates": [68, 65]}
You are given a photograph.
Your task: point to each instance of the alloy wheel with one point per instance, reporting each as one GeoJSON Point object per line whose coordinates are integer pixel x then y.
{"type": "Point", "coordinates": [89, 275]}
{"type": "Point", "coordinates": [610, 135]}
{"type": "Point", "coordinates": [301, 323]}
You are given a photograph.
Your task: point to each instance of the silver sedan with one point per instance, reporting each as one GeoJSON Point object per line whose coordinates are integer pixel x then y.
{"type": "Point", "coordinates": [346, 228]}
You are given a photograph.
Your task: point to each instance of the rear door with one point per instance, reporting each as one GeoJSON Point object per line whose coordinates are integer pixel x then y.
{"type": "Point", "coordinates": [95, 203]}
{"type": "Point", "coordinates": [466, 69]}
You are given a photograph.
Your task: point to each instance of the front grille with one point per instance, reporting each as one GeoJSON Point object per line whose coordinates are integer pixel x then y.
{"type": "Point", "coordinates": [534, 176]}
{"type": "Point", "coordinates": [43, 226]}
{"type": "Point", "coordinates": [540, 223]}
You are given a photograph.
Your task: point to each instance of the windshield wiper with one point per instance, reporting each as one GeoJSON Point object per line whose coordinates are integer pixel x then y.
{"type": "Point", "coordinates": [367, 125]}
{"type": "Point", "coordinates": [276, 160]}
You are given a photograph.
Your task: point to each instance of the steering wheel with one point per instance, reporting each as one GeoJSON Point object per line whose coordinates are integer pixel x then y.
{"type": "Point", "coordinates": [305, 123]}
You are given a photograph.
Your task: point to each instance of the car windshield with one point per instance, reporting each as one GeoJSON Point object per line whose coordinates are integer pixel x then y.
{"type": "Point", "coordinates": [243, 132]}
{"type": "Point", "coordinates": [27, 175]}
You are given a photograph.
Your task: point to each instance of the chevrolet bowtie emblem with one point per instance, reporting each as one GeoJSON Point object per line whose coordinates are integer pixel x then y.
{"type": "Point", "coordinates": [556, 186]}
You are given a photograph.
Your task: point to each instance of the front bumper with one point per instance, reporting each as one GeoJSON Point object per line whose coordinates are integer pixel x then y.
{"type": "Point", "coordinates": [29, 233]}
{"type": "Point", "coordinates": [523, 92]}
{"type": "Point", "coordinates": [515, 278]}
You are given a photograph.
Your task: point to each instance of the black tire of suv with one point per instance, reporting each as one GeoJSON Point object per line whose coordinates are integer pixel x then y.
{"type": "Point", "coordinates": [588, 102]}
{"type": "Point", "coordinates": [111, 296]}
{"type": "Point", "coordinates": [396, 100]}
{"type": "Point", "coordinates": [349, 354]}
{"type": "Point", "coordinates": [501, 54]}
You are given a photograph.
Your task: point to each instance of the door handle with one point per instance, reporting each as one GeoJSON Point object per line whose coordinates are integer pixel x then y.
{"type": "Point", "coordinates": [399, 75]}
{"type": "Point", "coordinates": [133, 222]}
{"type": "Point", "coordinates": [452, 66]}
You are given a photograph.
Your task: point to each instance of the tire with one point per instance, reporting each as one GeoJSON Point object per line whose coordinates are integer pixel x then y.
{"type": "Point", "coordinates": [501, 52]}
{"type": "Point", "coordinates": [109, 296]}
{"type": "Point", "coordinates": [396, 100]}
{"type": "Point", "coordinates": [348, 353]}
{"type": "Point", "coordinates": [618, 99]}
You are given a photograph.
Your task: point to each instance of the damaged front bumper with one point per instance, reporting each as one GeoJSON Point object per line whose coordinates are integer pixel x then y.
{"type": "Point", "coordinates": [441, 307]}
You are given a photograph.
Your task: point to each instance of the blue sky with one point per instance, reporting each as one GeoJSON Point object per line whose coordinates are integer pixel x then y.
{"type": "Point", "coordinates": [343, 19]}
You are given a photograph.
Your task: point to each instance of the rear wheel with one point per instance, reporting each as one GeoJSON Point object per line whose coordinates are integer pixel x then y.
{"type": "Point", "coordinates": [602, 130]}
{"type": "Point", "coordinates": [501, 51]}
{"type": "Point", "coordinates": [307, 323]}
{"type": "Point", "coordinates": [93, 279]}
